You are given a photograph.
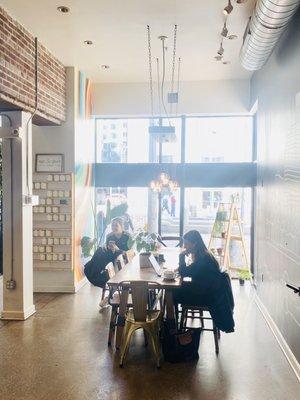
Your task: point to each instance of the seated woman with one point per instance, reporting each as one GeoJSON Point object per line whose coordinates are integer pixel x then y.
{"type": "Point", "coordinates": [117, 240]}
{"type": "Point", "coordinates": [204, 272]}
{"type": "Point", "coordinates": [116, 244]}
{"type": "Point", "coordinates": [209, 286]}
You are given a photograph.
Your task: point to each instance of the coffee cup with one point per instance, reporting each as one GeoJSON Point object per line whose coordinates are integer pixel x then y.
{"type": "Point", "coordinates": [169, 274]}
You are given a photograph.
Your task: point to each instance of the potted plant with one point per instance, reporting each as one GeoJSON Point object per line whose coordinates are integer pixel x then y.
{"type": "Point", "coordinates": [87, 244]}
{"type": "Point", "coordinates": [244, 275]}
{"type": "Point", "coordinates": [145, 244]}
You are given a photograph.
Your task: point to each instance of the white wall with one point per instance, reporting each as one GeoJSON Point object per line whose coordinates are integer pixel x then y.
{"type": "Point", "coordinates": [203, 97]}
{"type": "Point", "coordinates": [58, 139]}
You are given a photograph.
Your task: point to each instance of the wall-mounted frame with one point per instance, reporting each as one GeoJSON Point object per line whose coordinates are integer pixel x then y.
{"type": "Point", "coordinates": [49, 163]}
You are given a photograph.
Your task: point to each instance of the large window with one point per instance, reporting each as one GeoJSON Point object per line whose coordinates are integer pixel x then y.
{"type": "Point", "coordinates": [218, 139]}
{"type": "Point", "coordinates": [129, 141]}
{"type": "Point", "coordinates": [211, 159]}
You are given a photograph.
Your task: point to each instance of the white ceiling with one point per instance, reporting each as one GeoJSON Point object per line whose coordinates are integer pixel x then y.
{"type": "Point", "coordinates": [118, 30]}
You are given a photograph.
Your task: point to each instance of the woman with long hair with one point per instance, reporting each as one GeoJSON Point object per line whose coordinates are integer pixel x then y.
{"type": "Point", "coordinates": [204, 272]}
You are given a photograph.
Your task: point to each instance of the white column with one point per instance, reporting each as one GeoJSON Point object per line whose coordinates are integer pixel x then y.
{"type": "Point", "coordinates": [17, 216]}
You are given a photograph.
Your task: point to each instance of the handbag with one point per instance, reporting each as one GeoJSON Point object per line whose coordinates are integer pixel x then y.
{"type": "Point", "coordinates": [180, 345]}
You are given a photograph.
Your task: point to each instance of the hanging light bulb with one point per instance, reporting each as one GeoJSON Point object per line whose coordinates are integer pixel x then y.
{"type": "Point", "coordinates": [224, 32]}
{"type": "Point", "coordinates": [221, 49]}
{"type": "Point", "coordinates": [228, 9]}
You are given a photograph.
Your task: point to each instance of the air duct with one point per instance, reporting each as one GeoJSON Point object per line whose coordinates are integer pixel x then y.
{"type": "Point", "coordinates": [265, 26]}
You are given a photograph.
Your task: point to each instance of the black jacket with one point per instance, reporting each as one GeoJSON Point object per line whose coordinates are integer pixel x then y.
{"type": "Point", "coordinates": [212, 288]}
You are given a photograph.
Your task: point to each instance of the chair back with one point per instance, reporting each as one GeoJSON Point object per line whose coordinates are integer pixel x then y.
{"type": "Point", "coordinates": [140, 296]}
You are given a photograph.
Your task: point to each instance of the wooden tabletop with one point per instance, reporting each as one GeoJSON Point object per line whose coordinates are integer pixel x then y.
{"type": "Point", "coordinates": [133, 272]}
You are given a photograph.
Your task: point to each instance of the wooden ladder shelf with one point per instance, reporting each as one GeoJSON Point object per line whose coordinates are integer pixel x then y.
{"type": "Point", "coordinates": [226, 229]}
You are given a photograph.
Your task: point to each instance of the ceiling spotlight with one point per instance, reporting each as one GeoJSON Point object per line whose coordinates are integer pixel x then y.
{"type": "Point", "coordinates": [221, 50]}
{"type": "Point", "coordinates": [227, 10]}
{"type": "Point", "coordinates": [224, 32]}
{"type": "Point", "coordinates": [88, 42]}
{"type": "Point", "coordinates": [63, 9]}
{"type": "Point", "coordinates": [218, 58]}
{"type": "Point", "coordinates": [226, 62]}
{"type": "Point", "coordinates": [105, 66]}
{"type": "Point", "coordinates": [232, 37]}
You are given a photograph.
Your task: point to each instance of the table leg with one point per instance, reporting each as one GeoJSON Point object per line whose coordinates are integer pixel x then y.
{"type": "Point", "coordinates": [121, 317]}
{"type": "Point", "coordinates": [170, 312]}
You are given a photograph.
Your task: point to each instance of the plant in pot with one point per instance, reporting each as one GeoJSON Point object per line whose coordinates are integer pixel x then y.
{"type": "Point", "coordinates": [145, 243]}
{"type": "Point", "coordinates": [87, 245]}
{"type": "Point", "coordinates": [244, 275]}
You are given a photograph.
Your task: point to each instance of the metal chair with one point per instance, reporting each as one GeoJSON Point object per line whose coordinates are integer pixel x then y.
{"type": "Point", "coordinates": [141, 317]}
{"type": "Point", "coordinates": [189, 311]}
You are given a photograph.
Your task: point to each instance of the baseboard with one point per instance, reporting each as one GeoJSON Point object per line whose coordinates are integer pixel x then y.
{"type": "Point", "coordinates": [278, 336]}
{"type": "Point", "coordinates": [18, 315]}
{"type": "Point", "coordinates": [80, 284]}
{"type": "Point", "coordinates": [54, 289]}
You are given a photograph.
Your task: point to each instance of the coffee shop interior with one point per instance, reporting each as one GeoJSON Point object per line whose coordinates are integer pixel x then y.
{"type": "Point", "coordinates": [150, 199]}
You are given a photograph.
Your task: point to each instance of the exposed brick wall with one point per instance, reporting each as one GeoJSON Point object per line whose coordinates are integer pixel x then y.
{"type": "Point", "coordinates": [17, 73]}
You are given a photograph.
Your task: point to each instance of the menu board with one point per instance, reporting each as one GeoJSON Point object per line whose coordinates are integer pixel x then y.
{"type": "Point", "coordinates": [52, 221]}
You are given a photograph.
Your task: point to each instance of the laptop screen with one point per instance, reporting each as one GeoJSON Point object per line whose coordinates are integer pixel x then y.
{"type": "Point", "coordinates": [155, 265]}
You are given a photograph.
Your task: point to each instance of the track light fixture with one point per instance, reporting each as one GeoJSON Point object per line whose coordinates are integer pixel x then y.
{"type": "Point", "coordinates": [224, 32]}
{"type": "Point", "coordinates": [221, 49]}
{"type": "Point", "coordinates": [228, 9]}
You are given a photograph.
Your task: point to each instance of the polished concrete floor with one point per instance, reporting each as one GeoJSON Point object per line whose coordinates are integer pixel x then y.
{"type": "Point", "coordinates": [61, 354]}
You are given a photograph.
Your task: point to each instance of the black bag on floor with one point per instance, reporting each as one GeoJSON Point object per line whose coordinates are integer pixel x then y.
{"type": "Point", "coordinates": [180, 345]}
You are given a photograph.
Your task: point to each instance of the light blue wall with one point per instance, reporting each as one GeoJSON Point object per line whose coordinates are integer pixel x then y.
{"type": "Point", "coordinates": [277, 89]}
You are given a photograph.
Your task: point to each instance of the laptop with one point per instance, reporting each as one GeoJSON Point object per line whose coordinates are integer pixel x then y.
{"type": "Point", "coordinates": [155, 265]}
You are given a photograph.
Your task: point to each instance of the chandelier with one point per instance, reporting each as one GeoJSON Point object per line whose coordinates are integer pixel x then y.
{"type": "Point", "coordinates": [163, 184]}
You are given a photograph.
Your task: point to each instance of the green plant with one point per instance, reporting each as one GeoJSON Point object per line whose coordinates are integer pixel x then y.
{"type": "Point", "coordinates": [221, 218]}
{"type": "Point", "coordinates": [144, 242]}
{"type": "Point", "coordinates": [244, 274]}
{"type": "Point", "coordinates": [87, 244]}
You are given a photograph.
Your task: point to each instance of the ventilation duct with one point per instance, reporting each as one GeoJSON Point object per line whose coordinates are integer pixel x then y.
{"type": "Point", "coordinates": [265, 26]}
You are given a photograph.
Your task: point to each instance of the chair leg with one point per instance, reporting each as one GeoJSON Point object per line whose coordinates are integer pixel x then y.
{"type": "Point", "coordinates": [201, 318]}
{"type": "Point", "coordinates": [145, 338]}
{"type": "Point", "coordinates": [153, 333]}
{"type": "Point", "coordinates": [184, 316]}
{"type": "Point", "coordinates": [215, 331]}
{"type": "Point", "coordinates": [219, 333]}
{"type": "Point", "coordinates": [128, 331]}
{"type": "Point", "coordinates": [112, 324]}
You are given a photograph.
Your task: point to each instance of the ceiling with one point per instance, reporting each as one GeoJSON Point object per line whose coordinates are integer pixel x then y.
{"type": "Point", "coordinates": [118, 31]}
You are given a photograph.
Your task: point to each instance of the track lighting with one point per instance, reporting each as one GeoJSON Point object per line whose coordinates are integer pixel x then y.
{"type": "Point", "coordinates": [221, 49]}
{"type": "Point", "coordinates": [224, 32]}
{"type": "Point", "coordinates": [228, 9]}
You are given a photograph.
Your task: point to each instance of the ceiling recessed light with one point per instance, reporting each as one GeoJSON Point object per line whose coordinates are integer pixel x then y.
{"type": "Point", "coordinates": [232, 37]}
{"type": "Point", "coordinates": [63, 9]}
{"type": "Point", "coordinates": [88, 42]}
{"type": "Point", "coordinates": [105, 66]}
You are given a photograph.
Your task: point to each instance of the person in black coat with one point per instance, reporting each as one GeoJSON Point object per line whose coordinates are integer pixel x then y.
{"type": "Point", "coordinates": [116, 244]}
{"type": "Point", "coordinates": [206, 283]}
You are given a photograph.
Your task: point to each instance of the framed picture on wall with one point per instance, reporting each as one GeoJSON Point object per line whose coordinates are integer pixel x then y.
{"type": "Point", "coordinates": [49, 163]}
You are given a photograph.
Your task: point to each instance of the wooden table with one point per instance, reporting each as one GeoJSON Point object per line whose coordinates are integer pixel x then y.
{"type": "Point", "coordinates": [133, 272]}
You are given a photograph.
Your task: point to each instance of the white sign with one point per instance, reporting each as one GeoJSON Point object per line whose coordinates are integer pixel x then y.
{"type": "Point", "coordinates": [49, 163]}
